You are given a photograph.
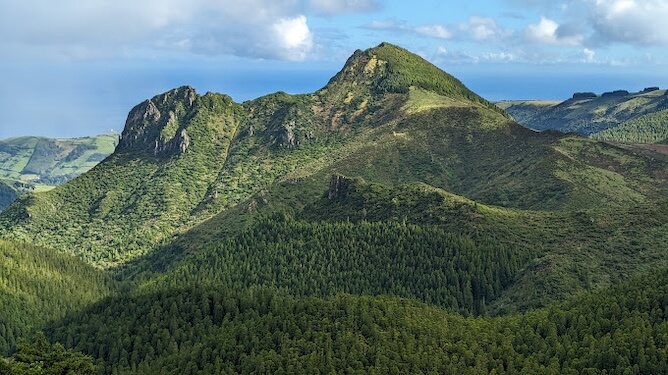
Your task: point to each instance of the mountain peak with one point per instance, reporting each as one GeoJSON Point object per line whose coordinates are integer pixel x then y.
{"type": "Point", "coordinates": [388, 68]}
{"type": "Point", "coordinates": [156, 123]}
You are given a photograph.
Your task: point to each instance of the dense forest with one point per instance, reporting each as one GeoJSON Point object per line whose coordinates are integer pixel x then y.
{"type": "Point", "coordinates": [209, 329]}
{"type": "Point", "coordinates": [650, 128]}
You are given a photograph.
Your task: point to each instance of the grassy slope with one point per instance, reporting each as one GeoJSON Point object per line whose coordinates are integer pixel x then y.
{"type": "Point", "coordinates": [560, 253]}
{"type": "Point", "coordinates": [48, 161]}
{"type": "Point", "coordinates": [591, 115]}
{"type": "Point", "coordinates": [278, 152]}
{"type": "Point", "coordinates": [8, 194]}
{"type": "Point", "coordinates": [523, 110]}
{"type": "Point", "coordinates": [598, 219]}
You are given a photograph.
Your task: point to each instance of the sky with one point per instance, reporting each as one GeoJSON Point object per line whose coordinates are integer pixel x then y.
{"type": "Point", "coordinates": [71, 68]}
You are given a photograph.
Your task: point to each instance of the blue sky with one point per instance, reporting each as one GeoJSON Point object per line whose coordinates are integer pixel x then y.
{"type": "Point", "coordinates": [76, 67]}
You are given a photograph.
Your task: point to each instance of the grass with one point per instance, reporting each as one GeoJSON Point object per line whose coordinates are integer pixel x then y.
{"type": "Point", "coordinates": [51, 160]}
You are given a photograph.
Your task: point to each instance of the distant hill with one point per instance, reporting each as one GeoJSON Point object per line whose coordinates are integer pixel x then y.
{"type": "Point", "coordinates": [588, 113]}
{"type": "Point", "coordinates": [37, 163]}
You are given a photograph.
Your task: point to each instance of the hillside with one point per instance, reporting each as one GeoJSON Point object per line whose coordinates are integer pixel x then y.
{"type": "Point", "coordinates": [39, 285]}
{"type": "Point", "coordinates": [8, 193]}
{"type": "Point", "coordinates": [648, 129]}
{"type": "Point", "coordinates": [36, 163]}
{"type": "Point", "coordinates": [391, 222]}
{"type": "Point", "coordinates": [588, 113]}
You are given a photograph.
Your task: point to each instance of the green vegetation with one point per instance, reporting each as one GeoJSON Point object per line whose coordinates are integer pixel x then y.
{"type": "Point", "coordinates": [588, 114]}
{"type": "Point", "coordinates": [8, 194]}
{"type": "Point", "coordinates": [650, 128]}
{"type": "Point", "coordinates": [212, 329]}
{"type": "Point", "coordinates": [38, 285]}
{"type": "Point", "coordinates": [226, 238]}
{"type": "Point", "coordinates": [39, 357]}
{"type": "Point", "coordinates": [35, 163]}
{"type": "Point", "coordinates": [523, 110]}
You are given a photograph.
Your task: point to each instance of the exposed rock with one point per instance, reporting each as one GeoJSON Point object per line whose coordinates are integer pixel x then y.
{"type": "Point", "coordinates": [154, 124]}
{"type": "Point", "coordinates": [584, 95]}
{"type": "Point", "coordinates": [339, 186]}
{"type": "Point", "coordinates": [183, 141]}
{"type": "Point", "coordinates": [288, 135]}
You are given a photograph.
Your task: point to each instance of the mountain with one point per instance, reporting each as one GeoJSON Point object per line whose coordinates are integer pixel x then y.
{"type": "Point", "coordinates": [588, 113]}
{"type": "Point", "coordinates": [37, 163]}
{"type": "Point", "coordinates": [388, 116]}
{"type": "Point", "coordinates": [392, 221]}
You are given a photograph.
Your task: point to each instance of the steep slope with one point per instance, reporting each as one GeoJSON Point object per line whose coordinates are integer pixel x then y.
{"type": "Point", "coordinates": [8, 194]}
{"type": "Point", "coordinates": [588, 113]}
{"type": "Point", "coordinates": [183, 157]}
{"type": "Point", "coordinates": [242, 247]}
{"type": "Point", "coordinates": [39, 285]}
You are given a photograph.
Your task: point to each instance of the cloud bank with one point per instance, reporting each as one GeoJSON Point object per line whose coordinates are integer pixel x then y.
{"type": "Point", "coordinates": [72, 29]}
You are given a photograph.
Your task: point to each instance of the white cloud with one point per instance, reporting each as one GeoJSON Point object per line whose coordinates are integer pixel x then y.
{"type": "Point", "coordinates": [500, 56]}
{"type": "Point", "coordinates": [547, 32]}
{"type": "Point", "coordinates": [483, 29]}
{"type": "Point", "coordinates": [456, 57]}
{"type": "Point", "coordinates": [332, 7]}
{"type": "Point", "coordinates": [638, 22]}
{"type": "Point", "coordinates": [249, 28]}
{"type": "Point", "coordinates": [294, 37]}
{"type": "Point", "coordinates": [434, 31]}
{"type": "Point", "coordinates": [589, 55]}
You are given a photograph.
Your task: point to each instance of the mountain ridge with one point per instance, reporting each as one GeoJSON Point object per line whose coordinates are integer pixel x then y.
{"type": "Point", "coordinates": [588, 113]}
{"type": "Point", "coordinates": [184, 158]}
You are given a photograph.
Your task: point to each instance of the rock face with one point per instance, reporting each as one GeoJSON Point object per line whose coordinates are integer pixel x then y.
{"type": "Point", "coordinates": [339, 186]}
{"type": "Point", "coordinates": [157, 124]}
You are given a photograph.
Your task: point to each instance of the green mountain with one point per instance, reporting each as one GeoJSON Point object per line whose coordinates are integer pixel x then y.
{"type": "Point", "coordinates": [588, 113]}
{"type": "Point", "coordinates": [37, 163]}
{"type": "Point", "coordinates": [388, 117]}
{"type": "Point", "coordinates": [391, 222]}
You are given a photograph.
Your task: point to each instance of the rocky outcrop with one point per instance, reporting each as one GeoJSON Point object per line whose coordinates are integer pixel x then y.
{"type": "Point", "coordinates": [339, 186]}
{"type": "Point", "coordinates": [584, 95]}
{"type": "Point", "coordinates": [288, 134]}
{"type": "Point", "coordinates": [156, 124]}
